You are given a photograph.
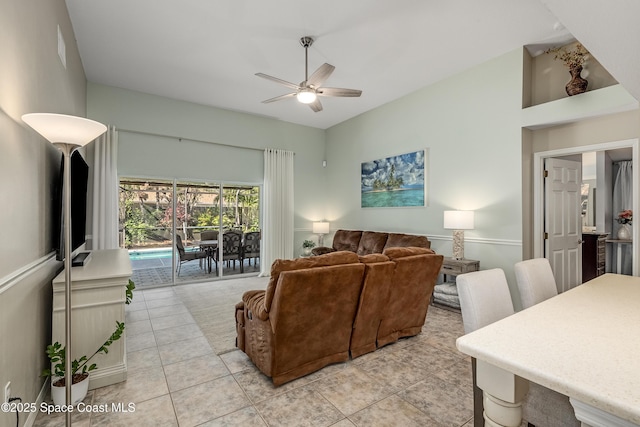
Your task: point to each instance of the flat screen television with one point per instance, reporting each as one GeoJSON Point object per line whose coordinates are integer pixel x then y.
{"type": "Point", "coordinates": [79, 181]}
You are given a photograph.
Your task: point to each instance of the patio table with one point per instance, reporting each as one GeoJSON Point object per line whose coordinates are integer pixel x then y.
{"type": "Point", "coordinates": [210, 246]}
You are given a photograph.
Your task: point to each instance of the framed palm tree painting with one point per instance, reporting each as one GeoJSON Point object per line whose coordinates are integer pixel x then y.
{"type": "Point", "coordinates": [396, 181]}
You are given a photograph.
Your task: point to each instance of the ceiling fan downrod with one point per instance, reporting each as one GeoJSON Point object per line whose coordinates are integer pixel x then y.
{"type": "Point", "coordinates": [306, 42]}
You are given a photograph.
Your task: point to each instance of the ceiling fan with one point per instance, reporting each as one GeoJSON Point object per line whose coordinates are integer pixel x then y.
{"type": "Point", "coordinates": [307, 91]}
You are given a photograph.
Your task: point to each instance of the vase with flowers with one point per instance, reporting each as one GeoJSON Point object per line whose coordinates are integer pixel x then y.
{"type": "Point", "coordinates": [624, 219]}
{"type": "Point", "coordinates": [573, 59]}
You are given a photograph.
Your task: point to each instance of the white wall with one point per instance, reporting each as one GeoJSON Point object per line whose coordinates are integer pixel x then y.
{"type": "Point", "coordinates": [470, 124]}
{"type": "Point", "coordinates": [32, 79]}
{"type": "Point", "coordinates": [235, 161]}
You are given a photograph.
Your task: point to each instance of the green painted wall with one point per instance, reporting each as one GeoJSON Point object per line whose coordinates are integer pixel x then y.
{"type": "Point", "coordinates": [32, 80]}
{"type": "Point", "coordinates": [237, 161]}
{"type": "Point", "coordinates": [470, 124]}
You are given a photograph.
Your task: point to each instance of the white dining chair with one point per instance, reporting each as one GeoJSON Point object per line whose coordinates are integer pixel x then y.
{"type": "Point", "coordinates": [535, 281]}
{"type": "Point", "coordinates": [542, 406]}
{"type": "Point", "coordinates": [485, 298]}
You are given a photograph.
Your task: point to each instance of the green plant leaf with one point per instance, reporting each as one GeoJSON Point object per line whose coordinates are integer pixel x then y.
{"type": "Point", "coordinates": [56, 354]}
{"type": "Point", "coordinates": [129, 291]}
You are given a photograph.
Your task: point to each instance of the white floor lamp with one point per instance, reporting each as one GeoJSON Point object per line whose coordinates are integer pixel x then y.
{"type": "Point", "coordinates": [67, 133]}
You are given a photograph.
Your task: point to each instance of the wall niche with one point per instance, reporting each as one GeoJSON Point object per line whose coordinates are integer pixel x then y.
{"type": "Point", "coordinates": [548, 76]}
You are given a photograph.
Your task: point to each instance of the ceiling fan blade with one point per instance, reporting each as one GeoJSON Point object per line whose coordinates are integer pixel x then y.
{"type": "Point", "coordinates": [316, 105]}
{"type": "Point", "coordinates": [277, 80]}
{"type": "Point", "coordinates": [336, 91]}
{"type": "Point", "coordinates": [278, 98]}
{"type": "Point", "coordinates": [320, 75]}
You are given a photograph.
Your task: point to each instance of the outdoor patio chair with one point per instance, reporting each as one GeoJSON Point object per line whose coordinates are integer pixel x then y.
{"type": "Point", "coordinates": [186, 256]}
{"type": "Point", "coordinates": [251, 247]}
{"type": "Point", "coordinates": [209, 235]}
{"type": "Point", "coordinates": [231, 249]}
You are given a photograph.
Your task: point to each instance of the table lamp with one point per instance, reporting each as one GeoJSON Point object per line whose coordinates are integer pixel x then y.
{"type": "Point", "coordinates": [67, 133]}
{"type": "Point", "coordinates": [320, 228]}
{"type": "Point", "coordinates": [458, 221]}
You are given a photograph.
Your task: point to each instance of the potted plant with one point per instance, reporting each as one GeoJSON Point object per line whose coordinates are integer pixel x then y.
{"type": "Point", "coordinates": [307, 245]}
{"type": "Point", "coordinates": [80, 369]}
{"type": "Point", "coordinates": [573, 59]}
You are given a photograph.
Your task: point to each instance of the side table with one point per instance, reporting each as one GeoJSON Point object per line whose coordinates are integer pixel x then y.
{"type": "Point", "coordinates": [452, 267]}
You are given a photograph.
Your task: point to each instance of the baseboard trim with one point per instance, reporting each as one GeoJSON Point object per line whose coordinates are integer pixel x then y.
{"type": "Point", "coordinates": [31, 419]}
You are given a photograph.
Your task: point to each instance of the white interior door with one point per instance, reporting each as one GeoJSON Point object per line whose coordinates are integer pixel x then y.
{"type": "Point", "coordinates": [563, 222]}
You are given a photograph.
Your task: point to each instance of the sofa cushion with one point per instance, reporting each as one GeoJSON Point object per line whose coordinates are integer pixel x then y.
{"type": "Point", "coordinates": [414, 278]}
{"type": "Point", "coordinates": [347, 240]}
{"type": "Point", "coordinates": [280, 265]}
{"type": "Point", "coordinates": [373, 300]}
{"type": "Point", "coordinates": [403, 240]}
{"type": "Point", "coordinates": [401, 252]}
{"type": "Point", "coordinates": [372, 242]}
{"type": "Point", "coordinates": [373, 258]}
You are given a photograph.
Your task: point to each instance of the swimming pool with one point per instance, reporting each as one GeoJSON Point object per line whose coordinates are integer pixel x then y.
{"type": "Point", "coordinates": [140, 254]}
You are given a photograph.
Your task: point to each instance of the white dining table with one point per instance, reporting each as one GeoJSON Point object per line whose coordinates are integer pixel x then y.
{"type": "Point", "coordinates": [583, 343]}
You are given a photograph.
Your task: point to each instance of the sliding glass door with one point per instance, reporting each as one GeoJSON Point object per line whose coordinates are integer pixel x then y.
{"type": "Point", "coordinates": [146, 224]}
{"type": "Point", "coordinates": [240, 244]}
{"type": "Point", "coordinates": [189, 231]}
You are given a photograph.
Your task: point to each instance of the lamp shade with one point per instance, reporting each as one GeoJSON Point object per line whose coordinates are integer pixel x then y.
{"type": "Point", "coordinates": [458, 220]}
{"type": "Point", "coordinates": [321, 227]}
{"type": "Point", "coordinates": [60, 128]}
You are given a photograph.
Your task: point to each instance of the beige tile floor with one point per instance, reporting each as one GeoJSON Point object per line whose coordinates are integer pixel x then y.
{"type": "Point", "coordinates": [182, 373]}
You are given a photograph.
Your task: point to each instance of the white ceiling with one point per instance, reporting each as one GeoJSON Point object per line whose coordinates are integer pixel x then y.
{"type": "Point", "coordinates": [207, 51]}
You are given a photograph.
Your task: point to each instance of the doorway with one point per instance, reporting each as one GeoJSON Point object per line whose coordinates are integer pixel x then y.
{"type": "Point", "coordinates": [605, 218]}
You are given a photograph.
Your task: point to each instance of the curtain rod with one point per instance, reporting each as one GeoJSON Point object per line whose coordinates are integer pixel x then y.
{"type": "Point", "coordinates": [179, 138]}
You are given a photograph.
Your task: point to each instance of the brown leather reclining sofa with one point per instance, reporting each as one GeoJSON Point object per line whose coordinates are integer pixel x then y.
{"type": "Point", "coordinates": [324, 309]}
{"type": "Point", "coordinates": [370, 242]}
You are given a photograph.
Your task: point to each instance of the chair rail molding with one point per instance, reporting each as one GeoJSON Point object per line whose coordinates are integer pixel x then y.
{"type": "Point", "coordinates": [17, 276]}
{"type": "Point", "coordinates": [480, 240]}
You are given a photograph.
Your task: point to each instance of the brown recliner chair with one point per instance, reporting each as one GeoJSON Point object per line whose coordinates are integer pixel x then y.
{"type": "Point", "coordinates": [303, 321]}
{"type": "Point", "coordinates": [374, 297]}
{"type": "Point", "coordinates": [414, 277]}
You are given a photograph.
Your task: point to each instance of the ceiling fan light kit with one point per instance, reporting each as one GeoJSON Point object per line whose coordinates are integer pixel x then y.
{"type": "Point", "coordinates": [309, 89]}
{"type": "Point", "coordinates": [306, 96]}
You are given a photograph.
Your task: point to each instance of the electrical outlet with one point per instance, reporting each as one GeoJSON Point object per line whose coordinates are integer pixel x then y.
{"type": "Point", "coordinates": [7, 392]}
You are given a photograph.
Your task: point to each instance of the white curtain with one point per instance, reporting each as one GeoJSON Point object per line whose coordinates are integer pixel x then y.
{"type": "Point", "coordinates": [105, 191]}
{"type": "Point", "coordinates": [623, 199]}
{"type": "Point", "coordinates": [277, 230]}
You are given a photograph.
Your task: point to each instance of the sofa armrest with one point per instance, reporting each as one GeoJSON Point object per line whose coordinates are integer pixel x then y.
{"type": "Point", "coordinates": [240, 309]}
{"type": "Point", "coordinates": [254, 304]}
{"type": "Point", "coordinates": [321, 250]}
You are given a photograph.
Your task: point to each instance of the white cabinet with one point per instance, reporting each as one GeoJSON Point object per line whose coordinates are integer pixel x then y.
{"type": "Point", "coordinates": [97, 302]}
